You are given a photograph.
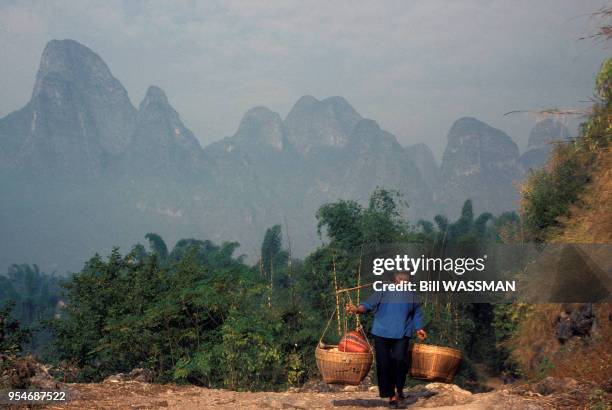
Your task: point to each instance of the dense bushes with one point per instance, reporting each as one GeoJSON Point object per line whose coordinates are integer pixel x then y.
{"type": "Point", "coordinates": [12, 335]}
{"type": "Point", "coordinates": [199, 314]}
{"type": "Point", "coordinates": [161, 311]}
{"type": "Point", "coordinates": [549, 192]}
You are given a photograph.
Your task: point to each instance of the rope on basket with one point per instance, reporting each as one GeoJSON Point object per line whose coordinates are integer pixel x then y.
{"type": "Point", "coordinates": [359, 284]}
{"type": "Point", "coordinates": [336, 291]}
{"type": "Point", "coordinates": [326, 327]}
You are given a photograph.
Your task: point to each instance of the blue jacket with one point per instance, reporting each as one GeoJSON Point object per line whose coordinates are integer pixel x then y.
{"type": "Point", "coordinates": [397, 314]}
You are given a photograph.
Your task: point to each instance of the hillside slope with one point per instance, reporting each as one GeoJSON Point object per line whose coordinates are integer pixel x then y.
{"type": "Point", "coordinates": [589, 220]}
{"type": "Point", "coordinates": [569, 202]}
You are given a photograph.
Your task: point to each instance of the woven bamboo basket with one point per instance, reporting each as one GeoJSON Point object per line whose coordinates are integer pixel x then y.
{"type": "Point", "coordinates": [342, 367]}
{"type": "Point", "coordinates": [431, 362]}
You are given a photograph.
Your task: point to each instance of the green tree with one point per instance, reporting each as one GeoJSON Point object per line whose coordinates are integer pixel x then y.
{"type": "Point", "coordinates": [273, 257]}
{"type": "Point", "coordinates": [158, 245]}
{"type": "Point", "coordinates": [12, 335]}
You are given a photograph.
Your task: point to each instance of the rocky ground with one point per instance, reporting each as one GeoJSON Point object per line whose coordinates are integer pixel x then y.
{"type": "Point", "coordinates": [134, 390]}
{"type": "Point", "coordinates": [138, 395]}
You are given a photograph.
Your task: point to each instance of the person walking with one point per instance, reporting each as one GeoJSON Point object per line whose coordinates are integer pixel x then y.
{"type": "Point", "coordinates": [397, 316]}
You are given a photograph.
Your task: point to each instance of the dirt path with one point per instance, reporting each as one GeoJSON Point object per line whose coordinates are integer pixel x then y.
{"type": "Point", "coordinates": [135, 395]}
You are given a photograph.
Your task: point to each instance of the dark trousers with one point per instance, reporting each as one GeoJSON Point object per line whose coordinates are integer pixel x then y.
{"type": "Point", "coordinates": [392, 364]}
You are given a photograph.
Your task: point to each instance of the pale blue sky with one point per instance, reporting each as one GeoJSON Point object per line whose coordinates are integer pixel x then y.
{"type": "Point", "coordinates": [413, 66]}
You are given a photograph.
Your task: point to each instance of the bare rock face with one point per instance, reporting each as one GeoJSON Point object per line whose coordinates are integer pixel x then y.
{"type": "Point", "coordinates": [78, 115]}
{"type": "Point", "coordinates": [421, 155]}
{"type": "Point", "coordinates": [161, 144]}
{"type": "Point", "coordinates": [88, 81]}
{"type": "Point", "coordinates": [479, 163]}
{"type": "Point", "coordinates": [313, 123]}
{"type": "Point", "coordinates": [373, 158]}
{"type": "Point", "coordinates": [261, 126]}
{"type": "Point", "coordinates": [574, 320]}
{"type": "Point", "coordinates": [540, 143]}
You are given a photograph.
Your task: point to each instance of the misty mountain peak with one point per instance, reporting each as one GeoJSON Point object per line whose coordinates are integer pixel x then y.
{"type": "Point", "coordinates": [467, 126]}
{"type": "Point", "coordinates": [479, 163]}
{"type": "Point", "coordinates": [475, 137]}
{"type": "Point", "coordinates": [161, 143]}
{"type": "Point", "coordinates": [480, 136]}
{"type": "Point", "coordinates": [539, 147]}
{"type": "Point", "coordinates": [74, 62]}
{"type": "Point", "coordinates": [366, 127]}
{"type": "Point", "coordinates": [262, 125]}
{"type": "Point", "coordinates": [154, 95]}
{"type": "Point", "coordinates": [340, 106]}
{"type": "Point", "coordinates": [467, 120]}
{"type": "Point", "coordinates": [258, 115]}
{"type": "Point", "coordinates": [305, 102]}
{"type": "Point", "coordinates": [546, 131]}
{"type": "Point", "coordinates": [78, 116]}
{"type": "Point", "coordinates": [72, 75]}
{"type": "Point", "coordinates": [68, 56]}
{"type": "Point", "coordinates": [312, 123]}
{"type": "Point", "coordinates": [158, 120]}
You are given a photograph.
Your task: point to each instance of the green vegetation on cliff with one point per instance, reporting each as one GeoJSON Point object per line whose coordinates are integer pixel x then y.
{"type": "Point", "coordinates": [549, 193]}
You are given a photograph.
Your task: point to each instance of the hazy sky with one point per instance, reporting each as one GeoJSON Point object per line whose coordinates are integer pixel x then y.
{"type": "Point", "coordinates": [414, 67]}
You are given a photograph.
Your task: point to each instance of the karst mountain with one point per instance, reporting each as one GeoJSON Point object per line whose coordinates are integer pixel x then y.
{"type": "Point", "coordinates": [83, 169]}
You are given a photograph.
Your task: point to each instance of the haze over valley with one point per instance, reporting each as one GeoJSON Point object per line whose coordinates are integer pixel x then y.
{"type": "Point", "coordinates": [83, 169]}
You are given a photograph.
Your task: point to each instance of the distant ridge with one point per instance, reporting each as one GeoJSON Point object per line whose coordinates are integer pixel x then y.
{"type": "Point", "coordinates": [84, 170]}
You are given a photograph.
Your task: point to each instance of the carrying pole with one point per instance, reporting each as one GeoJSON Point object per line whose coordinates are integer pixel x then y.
{"type": "Point", "coordinates": [336, 292]}
{"type": "Point", "coordinates": [355, 287]}
{"type": "Point", "coordinates": [358, 320]}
